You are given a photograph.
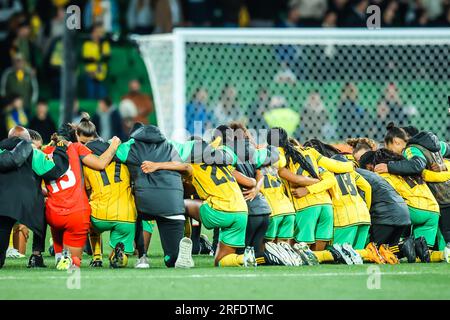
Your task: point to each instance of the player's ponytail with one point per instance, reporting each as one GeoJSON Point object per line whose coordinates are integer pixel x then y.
{"type": "Point", "coordinates": [324, 149]}
{"type": "Point", "coordinates": [359, 144]}
{"type": "Point", "coordinates": [86, 127]}
{"type": "Point", "coordinates": [394, 132]}
{"type": "Point", "coordinates": [278, 137]}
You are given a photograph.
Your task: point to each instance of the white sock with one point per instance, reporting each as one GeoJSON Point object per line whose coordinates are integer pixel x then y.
{"type": "Point", "coordinates": [58, 256]}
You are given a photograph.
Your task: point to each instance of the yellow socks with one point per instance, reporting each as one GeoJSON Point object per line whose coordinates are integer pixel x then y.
{"type": "Point", "coordinates": [436, 256]}
{"type": "Point", "coordinates": [232, 260]}
{"type": "Point", "coordinates": [323, 256]}
{"type": "Point", "coordinates": [96, 244]}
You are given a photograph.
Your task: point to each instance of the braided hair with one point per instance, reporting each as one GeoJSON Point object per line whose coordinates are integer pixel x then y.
{"type": "Point", "coordinates": [325, 149]}
{"type": "Point", "coordinates": [278, 137]}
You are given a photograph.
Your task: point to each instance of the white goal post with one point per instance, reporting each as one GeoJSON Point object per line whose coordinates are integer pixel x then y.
{"type": "Point", "coordinates": [340, 82]}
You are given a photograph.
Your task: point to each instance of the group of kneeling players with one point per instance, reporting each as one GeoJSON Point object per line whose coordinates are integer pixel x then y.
{"type": "Point", "coordinates": [280, 203]}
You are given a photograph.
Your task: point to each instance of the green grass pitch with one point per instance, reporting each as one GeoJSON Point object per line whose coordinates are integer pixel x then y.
{"type": "Point", "coordinates": [405, 281]}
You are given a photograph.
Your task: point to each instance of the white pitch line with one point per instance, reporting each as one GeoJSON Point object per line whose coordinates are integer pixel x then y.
{"type": "Point", "coordinates": [200, 276]}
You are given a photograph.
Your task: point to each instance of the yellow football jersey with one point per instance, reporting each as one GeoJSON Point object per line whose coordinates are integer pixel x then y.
{"type": "Point", "coordinates": [273, 191]}
{"type": "Point", "coordinates": [110, 193]}
{"type": "Point", "coordinates": [217, 186]}
{"type": "Point", "coordinates": [416, 195]}
{"type": "Point", "coordinates": [348, 206]}
{"type": "Point", "coordinates": [318, 193]}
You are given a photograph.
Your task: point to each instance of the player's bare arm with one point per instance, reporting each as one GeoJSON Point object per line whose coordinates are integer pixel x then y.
{"type": "Point", "coordinates": [100, 163]}
{"type": "Point", "coordinates": [296, 179]}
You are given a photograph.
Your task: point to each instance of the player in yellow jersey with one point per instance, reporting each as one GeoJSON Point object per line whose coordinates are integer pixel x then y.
{"type": "Point", "coordinates": [112, 203]}
{"type": "Point", "coordinates": [422, 205]}
{"type": "Point", "coordinates": [308, 187]}
{"type": "Point", "coordinates": [224, 207]}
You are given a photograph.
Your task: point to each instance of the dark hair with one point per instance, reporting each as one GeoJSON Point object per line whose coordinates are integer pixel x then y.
{"type": "Point", "coordinates": [35, 135]}
{"type": "Point", "coordinates": [42, 101]}
{"type": "Point", "coordinates": [366, 159]}
{"type": "Point", "coordinates": [224, 132]}
{"type": "Point", "coordinates": [361, 143]}
{"type": "Point", "coordinates": [86, 127]}
{"type": "Point", "coordinates": [282, 140]}
{"type": "Point", "coordinates": [67, 131]}
{"type": "Point", "coordinates": [394, 132]}
{"type": "Point", "coordinates": [384, 155]}
{"type": "Point", "coordinates": [411, 130]}
{"type": "Point", "coordinates": [107, 101]}
{"type": "Point", "coordinates": [325, 149]}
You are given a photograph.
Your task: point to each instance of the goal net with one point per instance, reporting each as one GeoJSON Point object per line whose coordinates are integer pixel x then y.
{"type": "Point", "coordinates": [316, 83]}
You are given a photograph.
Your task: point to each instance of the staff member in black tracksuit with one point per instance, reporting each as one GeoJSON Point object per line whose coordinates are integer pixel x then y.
{"type": "Point", "coordinates": [159, 195]}
{"type": "Point", "coordinates": [20, 185]}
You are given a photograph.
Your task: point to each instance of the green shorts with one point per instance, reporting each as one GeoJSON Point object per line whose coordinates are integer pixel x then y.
{"type": "Point", "coordinates": [120, 232]}
{"type": "Point", "coordinates": [355, 235]}
{"type": "Point", "coordinates": [424, 223]}
{"type": "Point", "coordinates": [314, 223]}
{"type": "Point", "coordinates": [148, 226]}
{"type": "Point", "coordinates": [281, 227]}
{"type": "Point", "coordinates": [232, 225]}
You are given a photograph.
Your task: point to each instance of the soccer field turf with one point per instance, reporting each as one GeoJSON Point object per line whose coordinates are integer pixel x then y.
{"type": "Point", "coordinates": [405, 281]}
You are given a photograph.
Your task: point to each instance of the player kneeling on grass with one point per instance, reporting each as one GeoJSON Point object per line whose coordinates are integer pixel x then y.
{"type": "Point", "coordinates": [67, 207]}
{"type": "Point", "coordinates": [388, 211]}
{"type": "Point", "coordinates": [112, 203]}
{"type": "Point", "coordinates": [224, 206]}
{"type": "Point", "coordinates": [159, 194]}
{"type": "Point", "coordinates": [307, 186]}
{"type": "Point", "coordinates": [351, 215]}
{"type": "Point", "coordinates": [422, 205]}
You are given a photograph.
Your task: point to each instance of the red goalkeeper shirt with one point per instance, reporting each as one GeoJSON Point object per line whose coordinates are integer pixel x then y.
{"type": "Point", "coordinates": [67, 194]}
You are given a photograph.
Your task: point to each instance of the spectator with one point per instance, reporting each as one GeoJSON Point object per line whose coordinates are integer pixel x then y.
{"type": "Point", "coordinates": [390, 15]}
{"type": "Point", "coordinates": [108, 120]}
{"type": "Point", "coordinates": [315, 123]}
{"type": "Point", "coordinates": [350, 114]}
{"type": "Point", "coordinates": [197, 113]}
{"type": "Point", "coordinates": [7, 10]}
{"type": "Point", "coordinates": [14, 113]}
{"type": "Point", "coordinates": [104, 13]}
{"type": "Point", "coordinates": [96, 53]}
{"type": "Point", "coordinates": [444, 19]}
{"type": "Point", "coordinates": [168, 15]}
{"type": "Point", "coordinates": [280, 115]}
{"type": "Point", "coordinates": [391, 107]}
{"type": "Point", "coordinates": [357, 15]}
{"type": "Point", "coordinates": [256, 110]}
{"type": "Point", "coordinates": [227, 108]}
{"type": "Point", "coordinates": [140, 16]}
{"type": "Point", "coordinates": [42, 122]}
{"type": "Point", "coordinates": [264, 13]}
{"type": "Point", "coordinates": [312, 12]}
{"type": "Point", "coordinates": [292, 18]}
{"type": "Point", "coordinates": [228, 12]}
{"type": "Point", "coordinates": [198, 13]}
{"type": "Point", "coordinates": [77, 114]}
{"type": "Point", "coordinates": [142, 101]}
{"type": "Point", "coordinates": [20, 80]}
{"type": "Point", "coordinates": [23, 45]}
{"type": "Point", "coordinates": [330, 20]}
{"type": "Point", "coordinates": [53, 62]}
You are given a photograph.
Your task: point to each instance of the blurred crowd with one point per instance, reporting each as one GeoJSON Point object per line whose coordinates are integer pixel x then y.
{"type": "Point", "coordinates": [31, 42]}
